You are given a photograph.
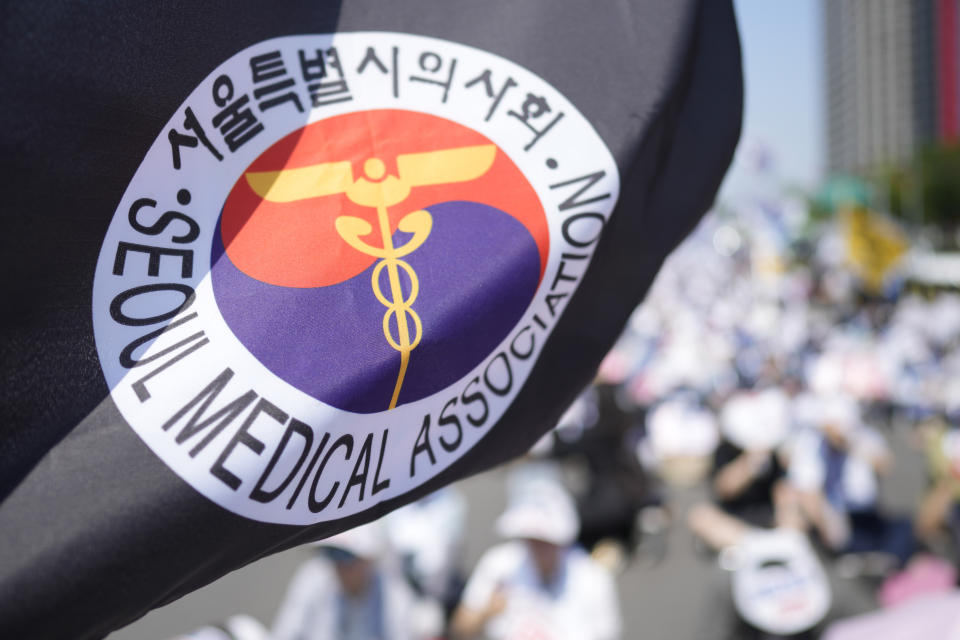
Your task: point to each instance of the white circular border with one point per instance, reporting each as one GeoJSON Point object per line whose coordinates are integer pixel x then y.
{"type": "Point", "coordinates": [574, 143]}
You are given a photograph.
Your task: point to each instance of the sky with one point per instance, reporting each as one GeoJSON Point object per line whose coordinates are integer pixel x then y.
{"type": "Point", "coordinates": [784, 108]}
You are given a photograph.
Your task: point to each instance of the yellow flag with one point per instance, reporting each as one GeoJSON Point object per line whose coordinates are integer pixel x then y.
{"type": "Point", "coordinates": [874, 245]}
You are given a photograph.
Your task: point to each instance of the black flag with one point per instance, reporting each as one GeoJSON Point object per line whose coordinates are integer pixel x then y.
{"type": "Point", "coordinates": [272, 271]}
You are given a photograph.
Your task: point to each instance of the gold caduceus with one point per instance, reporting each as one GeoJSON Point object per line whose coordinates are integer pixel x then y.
{"type": "Point", "coordinates": [379, 190]}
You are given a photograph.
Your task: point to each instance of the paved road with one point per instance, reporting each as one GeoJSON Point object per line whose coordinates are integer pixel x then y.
{"type": "Point", "coordinates": [684, 596]}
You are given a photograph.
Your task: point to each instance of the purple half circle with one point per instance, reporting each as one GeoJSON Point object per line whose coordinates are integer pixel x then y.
{"type": "Point", "coordinates": [478, 271]}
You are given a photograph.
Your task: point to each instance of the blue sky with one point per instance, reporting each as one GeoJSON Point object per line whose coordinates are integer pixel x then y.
{"type": "Point", "coordinates": [784, 109]}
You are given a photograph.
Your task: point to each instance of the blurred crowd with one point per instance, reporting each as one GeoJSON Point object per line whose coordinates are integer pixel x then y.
{"type": "Point", "coordinates": [763, 367]}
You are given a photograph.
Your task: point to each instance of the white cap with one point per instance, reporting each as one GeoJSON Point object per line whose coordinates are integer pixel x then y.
{"type": "Point", "coordinates": [540, 511]}
{"type": "Point", "coordinates": [244, 627]}
{"type": "Point", "coordinates": [366, 541]}
{"type": "Point", "coordinates": [756, 420]}
{"type": "Point", "coordinates": [678, 428]}
{"type": "Point", "coordinates": [238, 627]}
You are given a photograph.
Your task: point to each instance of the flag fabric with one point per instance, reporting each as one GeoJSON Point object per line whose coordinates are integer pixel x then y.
{"type": "Point", "coordinates": [875, 246]}
{"type": "Point", "coordinates": [272, 271]}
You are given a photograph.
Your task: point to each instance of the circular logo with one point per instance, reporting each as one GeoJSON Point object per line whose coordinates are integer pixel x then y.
{"type": "Point", "coordinates": [339, 262]}
{"type": "Point", "coordinates": [362, 237]}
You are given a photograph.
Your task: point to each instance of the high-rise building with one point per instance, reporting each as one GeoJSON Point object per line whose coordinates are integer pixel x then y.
{"type": "Point", "coordinates": [946, 60]}
{"type": "Point", "coordinates": [892, 80]}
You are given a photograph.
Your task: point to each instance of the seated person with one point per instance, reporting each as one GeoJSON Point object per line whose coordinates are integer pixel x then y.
{"type": "Point", "coordinates": [537, 585]}
{"type": "Point", "coordinates": [347, 592]}
{"type": "Point", "coordinates": [938, 517]}
{"type": "Point", "coordinates": [427, 536]}
{"type": "Point", "coordinates": [834, 470]}
{"type": "Point", "coordinates": [746, 469]}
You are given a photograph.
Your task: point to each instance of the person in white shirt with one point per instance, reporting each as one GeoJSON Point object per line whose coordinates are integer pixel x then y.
{"type": "Point", "coordinates": [348, 592]}
{"type": "Point", "coordinates": [427, 535]}
{"type": "Point", "coordinates": [537, 585]}
{"type": "Point", "coordinates": [834, 471]}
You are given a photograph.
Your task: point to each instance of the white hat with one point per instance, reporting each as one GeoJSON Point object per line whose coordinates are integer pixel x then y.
{"type": "Point", "coordinates": [676, 428]}
{"type": "Point", "coordinates": [540, 511]}
{"type": "Point", "coordinates": [366, 541]}
{"type": "Point", "coordinates": [756, 420]}
{"type": "Point", "coordinates": [238, 627]}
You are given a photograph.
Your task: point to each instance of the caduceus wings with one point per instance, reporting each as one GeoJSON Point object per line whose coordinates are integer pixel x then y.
{"type": "Point", "coordinates": [443, 167]}
{"type": "Point", "coordinates": [288, 185]}
{"type": "Point", "coordinates": [413, 169]}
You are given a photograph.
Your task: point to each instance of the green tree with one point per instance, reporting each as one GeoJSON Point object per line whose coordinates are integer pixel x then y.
{"type": "Point", "coordinates": [939, 177]}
